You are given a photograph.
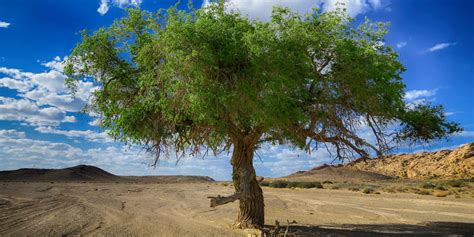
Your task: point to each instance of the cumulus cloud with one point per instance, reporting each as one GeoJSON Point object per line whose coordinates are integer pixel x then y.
{"type": "Point", "coordinates": [401, 44]}
{"type": "Point", "coordinates": [4, 24]}
{"type": "Point", "coordinates": [105, 5]}
{"type": "Point", "coordinates": [47, 88]}
{"type": "Point", "coordinates": [89, 135]}
{"type": "Point", "coordinates": [12, 133]}
{"type": "Point", "coordinates": [419, 94]}
{"type": "Point", "coordinates": [26, 111]}
{"type": "Point", "coordinates": [440, 46]}
{"type": "Point", "coordinates": [353, 7]}
{"type": "Point", "coordinates": [262, 10]}
{"type": "Point", "coordinates": [95, 122]}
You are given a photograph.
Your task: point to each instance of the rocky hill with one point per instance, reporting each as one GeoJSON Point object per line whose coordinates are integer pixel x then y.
{"type": "Point", "coordinates": [457, 163]}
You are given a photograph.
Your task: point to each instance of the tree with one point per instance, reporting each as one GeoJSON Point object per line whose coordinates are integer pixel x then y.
{"type": "Point", "coordinates": [211, 79]}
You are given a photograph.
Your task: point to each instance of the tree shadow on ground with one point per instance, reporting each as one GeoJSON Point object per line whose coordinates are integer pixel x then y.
{"type": "Point", "coordinates": [451, 229]}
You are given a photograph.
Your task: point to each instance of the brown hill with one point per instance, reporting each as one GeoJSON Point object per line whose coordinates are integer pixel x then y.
{"type": "Point", "coordinates": [76, 173]}
{"type": "Point", "coordinates": [457, 163]}
{"type": "Point", "coordinates": [87, 173]}
{"type": "Point", "coordinates": [335, 174]}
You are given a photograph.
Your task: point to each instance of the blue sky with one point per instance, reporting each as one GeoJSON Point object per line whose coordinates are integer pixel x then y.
{"type": "Point", "coordinates": [41, 126]}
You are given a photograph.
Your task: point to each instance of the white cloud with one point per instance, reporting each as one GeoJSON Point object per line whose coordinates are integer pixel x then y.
{"type": "Point", "coordinates": [105, 4]}
{"type": "Point", "coordinates": [419, 94]}
{"type": "Point", "coordinates": [465, 134]}
{"type": "Point", "coordinates": [401, 44]}
{"type": "Point", "coordinates": [262, 9]}
{"type": "Point", "coordinates": [15, 84]}
{"type": "Point", "coordinates": [86, 134]}
{"type": "Point", "coordinates": [95, 122]}
{"type": "Point", "coordinates": [4, 24]}
{"type": "Point", "coordinates": [440, 46]}
{"type": "Point", "coordinates": [12, 133]}
{"type": "Point", "coordinates": [104, 7]}
{"type": "Point", "coordinates": [47, 88]}
{"type": "Point", "coordinates": [64, 102]}
{"type": "Point", "coordinates": [56, 64]}
{"type": "Point", "coordinates": [26, 111]}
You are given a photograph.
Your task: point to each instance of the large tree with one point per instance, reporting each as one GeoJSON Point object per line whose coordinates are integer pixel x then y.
{"type": "Point", "coordinates": [190, 82]}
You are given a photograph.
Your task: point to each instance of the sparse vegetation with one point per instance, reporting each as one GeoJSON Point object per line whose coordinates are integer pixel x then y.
{"type": "Point", "coordinates": [265, 184]}
{"type": "Point", "coordinates": [368, 190]}
{"type": "Point", "coordinates": [294, 184]}
{"type": "Point", "coordinates": [440, 187]}
{"type": "Point", "coordinates": [455, 183]}
{"type": "Point", "coordinates": [279, 184]}
{"type": "Point", "coordinates": [423, 192]}
{"type": "Point", "coordinates": [428, 186]}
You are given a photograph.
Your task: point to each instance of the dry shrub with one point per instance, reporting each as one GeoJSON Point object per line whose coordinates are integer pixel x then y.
{"type": "Point", "coordinates": [440, 193]}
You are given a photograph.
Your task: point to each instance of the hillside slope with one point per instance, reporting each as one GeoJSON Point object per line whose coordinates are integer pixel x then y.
{"type": "Point", "coordinates": [335, 174]}
{"type": "Point", "coordinates": [76, 173]}
{"type": "Point", "coordinates": [457, 163]}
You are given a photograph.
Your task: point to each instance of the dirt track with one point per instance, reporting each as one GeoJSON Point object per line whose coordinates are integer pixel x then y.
{"type": "Point", "coordinates": [46, 209]}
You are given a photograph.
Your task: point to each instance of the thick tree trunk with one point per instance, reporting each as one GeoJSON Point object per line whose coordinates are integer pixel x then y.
{"type": "Point", "coordinates": [251, 214]}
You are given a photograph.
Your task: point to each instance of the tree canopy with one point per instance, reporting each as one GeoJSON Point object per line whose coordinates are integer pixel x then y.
{"type": "Point", "coordinates": [211, 79]}
{"type": "Point", "coordinates": [193, 80]}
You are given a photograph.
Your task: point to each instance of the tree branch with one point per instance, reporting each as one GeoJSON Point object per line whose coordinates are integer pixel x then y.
{"type": "Point", "coordinates": [219, 200]}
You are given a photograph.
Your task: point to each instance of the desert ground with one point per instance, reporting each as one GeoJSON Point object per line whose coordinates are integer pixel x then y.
{"type": "Point", "coordinates": [182, 209]}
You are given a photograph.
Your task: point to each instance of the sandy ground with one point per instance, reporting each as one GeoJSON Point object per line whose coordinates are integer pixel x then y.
{"type": "Point", "coordinates": [55, 209]}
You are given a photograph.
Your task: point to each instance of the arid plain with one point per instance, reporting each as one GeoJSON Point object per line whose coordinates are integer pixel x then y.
{"type": "Point", "coordinates": [121, 209]}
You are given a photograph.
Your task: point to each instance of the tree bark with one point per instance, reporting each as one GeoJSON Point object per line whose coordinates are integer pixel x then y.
{"type": "Point", "coordinates": [251, 213]}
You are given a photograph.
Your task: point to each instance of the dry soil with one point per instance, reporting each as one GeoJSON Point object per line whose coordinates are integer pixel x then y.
{"type": "Point", "coordinates": [121, 209]}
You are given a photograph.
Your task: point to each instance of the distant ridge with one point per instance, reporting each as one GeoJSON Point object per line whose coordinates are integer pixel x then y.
{"type": "Point", "coordinates": [76, 173]}
{"type": "Point", "coordinates": [88, 173]}
{"type": "Point", "coordinates": [335, 174]}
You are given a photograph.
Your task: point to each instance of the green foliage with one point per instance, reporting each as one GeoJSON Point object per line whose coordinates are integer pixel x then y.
{"type": "Point", "coordinates": [265, 184]}
{"type": "Point", "coordinates": [294, 184]}
{"type": "Point", "coordinates": [279, 184]}
{"type": "Point", "coordinates": [424, 123]}
{"type": "Point", "coordinates": [186, 82]}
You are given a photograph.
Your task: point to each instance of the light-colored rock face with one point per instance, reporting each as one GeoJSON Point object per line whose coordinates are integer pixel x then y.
{"type": "Point", "coordinates": [458, 163]}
